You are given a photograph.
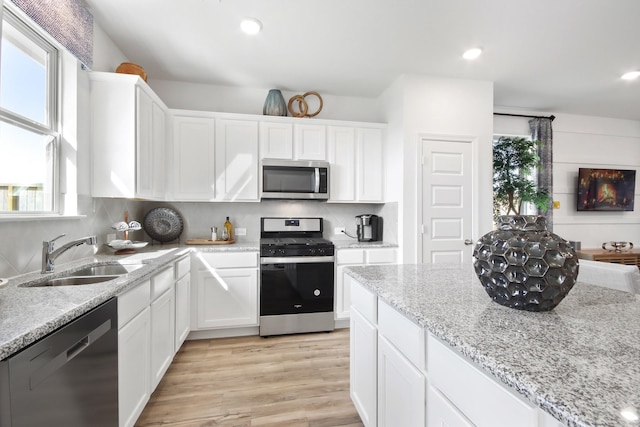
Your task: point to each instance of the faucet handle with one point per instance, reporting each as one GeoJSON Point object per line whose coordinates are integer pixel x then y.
{"type": "Point", "coordinates": [56, 238]}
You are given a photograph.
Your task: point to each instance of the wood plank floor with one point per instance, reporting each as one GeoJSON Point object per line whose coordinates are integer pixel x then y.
{"type": "Point", "coordinates": [286, 381]}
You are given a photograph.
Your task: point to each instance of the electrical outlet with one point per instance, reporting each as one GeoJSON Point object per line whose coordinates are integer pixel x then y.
{"type": "Point", "coordinates": [241, 231]}
{"type": "Point", "coordinates": [338, 230]}
{"type": "Point", "coordinates": [111, 237]}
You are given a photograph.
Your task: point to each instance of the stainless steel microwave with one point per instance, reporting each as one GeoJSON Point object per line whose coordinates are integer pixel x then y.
{"type": "Point", "coordinates": [294, 179]}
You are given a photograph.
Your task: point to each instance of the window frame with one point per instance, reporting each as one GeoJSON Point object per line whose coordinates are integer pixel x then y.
{"type": "Point", "coordinates": [54, 94]}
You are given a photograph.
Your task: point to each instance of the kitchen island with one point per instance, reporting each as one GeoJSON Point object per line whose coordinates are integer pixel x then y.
{"type": "Point", "coordinates": [578, 363]}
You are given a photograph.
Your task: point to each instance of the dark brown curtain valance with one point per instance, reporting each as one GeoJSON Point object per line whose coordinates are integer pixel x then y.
{"type": "Point", "coordinates": [67, 21]}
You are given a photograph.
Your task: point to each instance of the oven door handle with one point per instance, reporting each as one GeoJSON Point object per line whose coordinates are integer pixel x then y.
{"type": "Point", "coordinates": [296, 259]}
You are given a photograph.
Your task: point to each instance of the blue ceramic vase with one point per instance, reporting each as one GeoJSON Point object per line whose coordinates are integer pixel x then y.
{"type": "Point", "coordinates": [274, 105]}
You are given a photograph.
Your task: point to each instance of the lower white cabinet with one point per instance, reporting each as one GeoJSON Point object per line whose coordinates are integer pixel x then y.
{"type": "Point", "coordinates": [183, 300]}
{"type": "Point", "coordinates": [401, 389]}
{"type": "Point", "coordinates": [362, 367]}
{"type": "Point", "coordinates": [226, 290]}
{"type": "Point", "coordinates": [146, 325]}
{"type": "Point", "coordinates": [441, 412]}
{"type": "Point", "coordinates": [162, 335]}
{"type": "Point", "coordinates": [134, 353]}
{"type": "Point", "coordinates": [349, 258]}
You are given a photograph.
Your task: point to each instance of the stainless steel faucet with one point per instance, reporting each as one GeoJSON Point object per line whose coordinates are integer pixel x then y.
{"type": "Point", "coordinates": [49, 255]}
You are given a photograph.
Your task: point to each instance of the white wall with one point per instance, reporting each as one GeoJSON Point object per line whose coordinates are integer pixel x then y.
{"type": "Point", "coordinates": [203, 97]}
{"type": "Point", "coordinates": [594, 142]}
{"type": "Point", "coordinates": [438, 106]}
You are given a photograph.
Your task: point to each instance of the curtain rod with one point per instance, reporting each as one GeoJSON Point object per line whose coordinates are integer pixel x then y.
{"type": "Point", "coordinates": [524, 115]}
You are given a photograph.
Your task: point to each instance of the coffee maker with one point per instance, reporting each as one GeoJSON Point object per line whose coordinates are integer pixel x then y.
{"type": "Point", "coordinates": [369, 228]}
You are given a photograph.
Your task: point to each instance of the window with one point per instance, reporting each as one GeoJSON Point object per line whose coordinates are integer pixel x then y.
{"type": "Point", "coordinates": [29, 137]}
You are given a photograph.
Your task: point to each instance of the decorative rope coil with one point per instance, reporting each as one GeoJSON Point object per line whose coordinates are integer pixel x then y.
{"type": "Point", "coordinates": [303, 107]}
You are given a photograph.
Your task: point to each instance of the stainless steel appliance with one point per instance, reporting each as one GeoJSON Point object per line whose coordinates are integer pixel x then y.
{"type": "Point", "coordinates": [69, 378]}
{"type": "Point", "coordinates": [296, 277]}
{"type": "Point", "coordinates": [369, 228]}
{"type": "Point", "coordinates": [292, 179]}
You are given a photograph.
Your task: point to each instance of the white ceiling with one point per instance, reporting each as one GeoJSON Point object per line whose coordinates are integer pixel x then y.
{"type": "Point", "coordinates": [555, 56]}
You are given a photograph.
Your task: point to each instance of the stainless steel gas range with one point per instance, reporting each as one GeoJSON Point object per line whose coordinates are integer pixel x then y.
{"type": "Point", "coordinates": [296, 277]}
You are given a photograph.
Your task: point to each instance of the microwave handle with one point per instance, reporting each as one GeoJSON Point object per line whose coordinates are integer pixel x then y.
{"type": "Point", "coordinates": [317, 189]}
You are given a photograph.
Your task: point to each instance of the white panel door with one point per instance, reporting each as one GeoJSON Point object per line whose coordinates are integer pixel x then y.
{"type": "Point", "coordinates": [446, 209]}
{"type": "Point", "coordinates": [193, 158]}
{"type": "Point", "coordinates": [342, 155]}
{"type": "Point", "coordinates": [276, 140]}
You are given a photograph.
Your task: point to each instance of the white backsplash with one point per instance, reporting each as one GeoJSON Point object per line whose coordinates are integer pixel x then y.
{"type": "Point", "coordinates": [21, 243]}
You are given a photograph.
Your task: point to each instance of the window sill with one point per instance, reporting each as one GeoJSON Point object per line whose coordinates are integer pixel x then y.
{"type": "Point", "coordinates": [37, 217]}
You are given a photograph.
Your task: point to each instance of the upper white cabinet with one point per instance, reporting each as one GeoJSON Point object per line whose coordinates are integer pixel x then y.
{"type": "Point", "coordinates": [276, 140]}
{"type": "Point", "coordinates": [293, 141]}
{"type": "Point", "coordinates": [193, 159]}
{"type": "Point", "coordinates": [357, 171]}
{"type": "Point", "coordinates": [128, 129]}
{"type": "Point", "coordinates": [236, 160]}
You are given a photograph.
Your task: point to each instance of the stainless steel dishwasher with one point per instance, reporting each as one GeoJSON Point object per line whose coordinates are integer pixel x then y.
{"type": "Point", "coordinates": [69, 378]}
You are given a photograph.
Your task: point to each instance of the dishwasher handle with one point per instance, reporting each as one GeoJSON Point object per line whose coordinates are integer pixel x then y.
{"type": "Point", "coordinates": [68, 354]}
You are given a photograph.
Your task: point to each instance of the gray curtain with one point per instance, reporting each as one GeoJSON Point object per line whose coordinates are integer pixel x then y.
{"type": "Point", "coordinates": [68, 21]}
{"type": "Point", "coordinates": [541, 130]}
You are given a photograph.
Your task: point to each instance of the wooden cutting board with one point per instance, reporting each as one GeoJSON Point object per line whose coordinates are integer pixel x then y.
{"type": "Point", "coordinates": [209, 242]}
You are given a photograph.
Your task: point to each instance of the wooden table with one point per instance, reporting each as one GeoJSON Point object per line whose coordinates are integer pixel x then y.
{"type": "Point", "coordinates": [628, 257]}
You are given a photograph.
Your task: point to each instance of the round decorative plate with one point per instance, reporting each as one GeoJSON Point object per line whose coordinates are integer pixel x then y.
{"type": "Point", "coordinates": [163, 224]}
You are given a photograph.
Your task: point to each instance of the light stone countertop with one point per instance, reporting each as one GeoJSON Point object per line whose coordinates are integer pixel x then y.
{"type": "Point", "coordinates": [354, 244]}
{"type": "Point", "coordinates": [29, 313]}
{"type": "Point", "coordinates": [579, 362]}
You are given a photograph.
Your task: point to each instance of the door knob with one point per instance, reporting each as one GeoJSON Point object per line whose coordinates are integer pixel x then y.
{"type": "Point", "coordinates": [468, 242]}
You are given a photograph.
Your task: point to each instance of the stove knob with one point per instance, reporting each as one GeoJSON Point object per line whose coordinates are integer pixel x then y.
{"type": "Point", "coordinates": [312, 251]}
{"type": "Point", "coordinates": [321, 251]}
{"type": "Point", "coordinates": [272, 251]}
{"type": "Point", "coordinates": [282, 251]}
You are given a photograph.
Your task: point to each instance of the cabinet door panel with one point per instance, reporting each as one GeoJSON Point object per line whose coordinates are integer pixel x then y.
{"type": "Point", "coordinates": [342, 155]}
{"type": "Point", "coordinates": [310, 142]}
{"type": "Point", "coordinates": [134, 384]}
{"type": "Point", "coordinates": [193, 158]}
{"type": "Point", "coordinates": [236, 160]}
{"type": "Point", "coordinates": [401, 389]}
{"type": "Point", "coordinates": [227, 297]}
{"type": "Point", "coordinates": [162, 335]}
{"type": "Point", "coordinates": [276, 140]}
{"type": "Point", "coordinates": [370, 174]}
{"type": "Point", "coordinates": [442, 413]}
{"type": "Point", "coordinates": [183, 308]}
{"type": "Point", "coordinates": [144, 146]}
{"type": "Point", "coordinates": [363, 368]}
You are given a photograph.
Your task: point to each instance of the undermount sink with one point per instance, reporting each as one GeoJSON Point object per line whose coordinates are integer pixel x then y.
{"type": "Point", "coordinates": [106, 270]}
{"type": "Point", "coordinates": [93, 273]}
{"type": "Point", "coordinates": [71, 280]}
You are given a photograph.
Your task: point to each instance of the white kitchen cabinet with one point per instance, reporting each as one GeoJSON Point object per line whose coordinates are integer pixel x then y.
{"type": "Point", "coordinates": [310, 141]}
{"type": "Point", "coordinates": [226, 290]}
{"type": "Point", "coordinates": [145, 342]}
{"type": "Point", "coordinates": [128, 127]}
{"type": "Point", "coordinates": [236, 154]}
{"type": "Point", "coordinates": [441, 412]}
{"type": "Point", "coordinates": [356, 156]}
{"type": "Point", "coordinates": [193, 162]}
{"type": "Point", "coordinates": [363, 362]}
{"type": "Point", "coordinates": [349, 258]}
{"type": "Point", "coordinates": [134, 353]}
{"type": "Point", "coordinates": [276, 140]}
{"type": "Point", "coordinates": [476, 396]}
{"type": "Point", "coordinates": [182, 269]}
{"type": "Point", "coordinates": [162, 324]}
{"type": "Point", "coordinates": [401, 389]}
{"type": "Point", "coordinates": [293, 141]}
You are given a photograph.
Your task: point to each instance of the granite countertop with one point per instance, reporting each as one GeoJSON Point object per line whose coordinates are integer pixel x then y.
{"type": "Point", "coordinates": [354, 244]}
{"type": "Point", "coordinates": [29, 313]}
{"type": "Point", "coordinates": [579, 362]}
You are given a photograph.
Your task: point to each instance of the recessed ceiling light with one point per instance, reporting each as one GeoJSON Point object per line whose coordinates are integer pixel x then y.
{"type": "Point", "coordinates": [630, 414]}
{"type": "Point", "coordinates": [472, 53]}
{"type": "Point", "coordinates": [631, 75]}
{"type": "Point", "coordinates": [251, 26]}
